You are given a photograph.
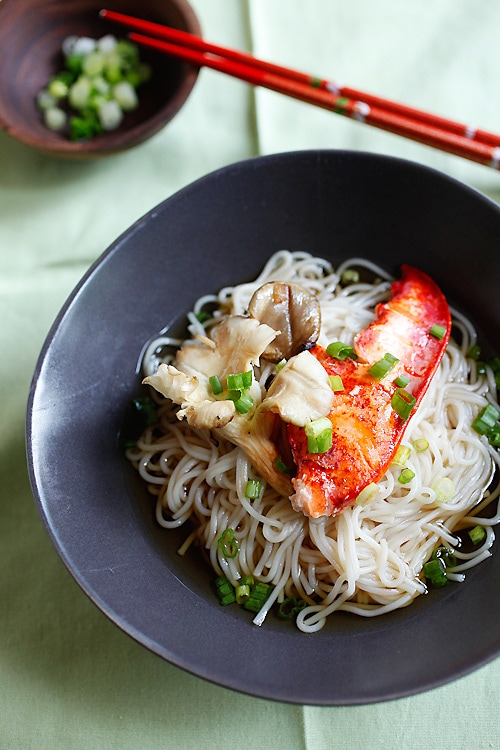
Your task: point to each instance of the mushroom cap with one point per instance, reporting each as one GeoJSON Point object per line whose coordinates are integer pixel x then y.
{"type": "Point", "coordinates": [292, 310]}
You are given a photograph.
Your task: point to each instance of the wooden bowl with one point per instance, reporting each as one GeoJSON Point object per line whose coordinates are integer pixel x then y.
{"type": "Point", "coordinates": [31, 35]}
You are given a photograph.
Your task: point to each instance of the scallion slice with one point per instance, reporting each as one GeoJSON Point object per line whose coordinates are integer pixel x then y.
{"type": "Point", "coordinates": [474, 352]}
{"type": "Point", "coordinates": [215, 385]}
{"type": "Point", "coordinates": [228, 544]}
{"type": "Point", "coordinates": [319, 435]}
{"type": "Point", "coordinates": [339, 350]}
{"type": "Point", "coordinates": [383, 366]}
{"type": "Point", "coordinates": [477, 534]}
{"type": "Point", "coordinates": [402, 381]}
{"type": "Point", "coordinates": [258, 596]}
{"type": "Point", "coordinates": [435, 572]}
{"type": "Point", "coordinates": [243, 589]}
{"type": "Point", "coordinates": [402, 455]}
{"type": "Point", "coordinates": [253, 488]}
{"type": "Point", "coordinates": [406, 476]}
{"type": "Point", "coordinates": [239, 381]}
{"type": "Point", "coordinates": [225, 590]}
{"type": "Point", "coordinates": [437, 331]}
{"type": "Point", "coordinates": [350, 276]}
{"type": "Point", "coordinates": [336, 383]}
{"type": "Point", "coordinates": [367, 494]}
{"type": "Point", "coordinates": [444, 489]}
{"type": "Point", "coordinates": [445, 554]}
{"type": "Point", "coordinates": [282, 467]}
{"type": "Point", "coordinates": [420, 445]}
{"type": "Point", "coordinates": [145, 410]}
{"type": "Point", "coordinates": [494, 436]}
{"type": "Point", "coordinates": [244, 403]}
{"type": "Point", "coordinates": [486, 419]}
{"type": "Point", "coordinates": [202, 316]}
{"type": "Point", "coordinates": [290, 607]}
{"type": "Point", "coordinates": [403, 402]}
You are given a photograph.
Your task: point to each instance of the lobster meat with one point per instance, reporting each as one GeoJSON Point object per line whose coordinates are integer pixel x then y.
{"type": "Point", "coordinates": [413, 327]}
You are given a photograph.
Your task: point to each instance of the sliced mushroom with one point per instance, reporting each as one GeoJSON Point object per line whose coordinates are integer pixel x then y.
{"type": "Point", "coordinates": [293, 311]}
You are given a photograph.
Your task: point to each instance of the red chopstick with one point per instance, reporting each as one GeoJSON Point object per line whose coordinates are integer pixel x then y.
{"type": "Point", "coordinates": [438, 132]}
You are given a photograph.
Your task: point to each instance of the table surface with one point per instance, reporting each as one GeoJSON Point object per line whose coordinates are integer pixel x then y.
{"type": "Point", "coordinates": [68, 677]}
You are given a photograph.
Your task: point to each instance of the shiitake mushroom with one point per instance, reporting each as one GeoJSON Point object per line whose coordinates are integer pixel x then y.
{"type": "Point", "coordinates": [292, 310]}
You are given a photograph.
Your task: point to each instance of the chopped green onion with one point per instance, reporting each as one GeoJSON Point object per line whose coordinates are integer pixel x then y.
{"type": "Point", "coordinates": [258, 596]}
{"type": "Point", "coordinates": [202, 316]}
{"type": "Point", "coordinates": [435, 572]}
{"type": "Point", "coordinates": [79, 93]}
{"type": "Point", "coordinates": [437, 331]}
{"type": "Point", "coordinates": [402, 381]}
{"type": "Point", "coordinates": [243, 589]}
{"type": "Point", "coordinates": [336, 383]}
{"type": "Point", "coordinates": [215, 385]}
{"type": "Point", "coordinates": [367, 494]}
{"type": "Point", "coordinates": [83, 128]}
{"type": "Point", "coordinates": [350, 276]}
{"type": "Point", "coordinates": [146, 410]}
{"type": "Point", "coordinates": [339, 350]}
{"type": "Point", "coordinates": [110, 115]}
{"type": "Point", "coordinates": [474, 352]}
{"type": "Point", "coordinates": [54, 118]}
{"type": "Point", "coordinates": [225, 590]}
{"type": "Point", "coordinates": [228, 544]}
{"type": "Point", "coordinates": [247, 378]}
{"type": "Point", "coordinates": [486, 419]}
{"type": "Point", "coordinates": [406, 476]}
{"type": "Point", "coordinates": [319, 435]}
{"type": "Point", "coordinates": [477, 534]}
{"type": "Point", "coordinates": [317, 426]}
{"type": "Point", "coordinates": [444, 489]}
{"type": "Point", "coordinates": [244, 403]}
{"type": "Point", "coordinates": [290, 607]}
{"type": "Point", "coordinates": [44, 100]}
{"type": "Point", "coordinates": [494, 363]}
{"type": "Point", "coordinates": [403, 402]}
{"type": "Point", "coordinates": [126, 96]}
{"type": "Point", "coordinates": [282, 467]}
{"type": "Point", "coordinates": [402, 455]}
{"type": "Point", "coordinates": [420, 445]}
{"type": "Point", "coordinates": [234, 381]}
{"type": "Point", "coordinates": [494, 436]}
{"type": "Point", "coordinates": [383, 366]}
{"type": "Point", "coordinates": [57, 88]}
{"type": "Point", "coordinates": [128, 444]}
{"type": "Point", "coordinates": [102, 75]}
{"type": "Point", "coordinates": [253, 489]}
{"type": "Point", "coordinates": [280, 364]}
{"type": "Point", "coordinates": [74, 63]}
{"type": "Point", "coordinates": [446, 554]}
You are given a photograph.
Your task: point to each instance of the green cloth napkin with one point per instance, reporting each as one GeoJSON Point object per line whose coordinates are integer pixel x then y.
{"type": "Point", "coordinates": [68, 677]}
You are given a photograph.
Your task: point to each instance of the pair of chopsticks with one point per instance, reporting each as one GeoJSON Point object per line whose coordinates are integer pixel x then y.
{"type": "Point", "coordinates": [432, 130]}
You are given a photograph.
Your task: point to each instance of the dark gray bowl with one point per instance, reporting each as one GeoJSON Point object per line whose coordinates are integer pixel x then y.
{"type": "Point", "coordinates": [219, 231]}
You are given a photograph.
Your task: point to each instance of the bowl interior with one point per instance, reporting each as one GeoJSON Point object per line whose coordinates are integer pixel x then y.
{"type": "Point", "coordinates": [219, 231]}
{"type": "Point", "coordinates": [31, 35]}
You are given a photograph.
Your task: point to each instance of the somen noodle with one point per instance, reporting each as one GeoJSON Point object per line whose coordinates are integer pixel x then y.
{"type": "Point", "coordinates": [368, 559]}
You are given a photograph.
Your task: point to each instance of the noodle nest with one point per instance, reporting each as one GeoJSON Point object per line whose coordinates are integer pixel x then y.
{"type": "Point", "coordinates": [368, 560]}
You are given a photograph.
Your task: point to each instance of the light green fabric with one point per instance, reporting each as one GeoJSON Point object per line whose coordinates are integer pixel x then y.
{"type": "Point", "coordinates": [68, 677]}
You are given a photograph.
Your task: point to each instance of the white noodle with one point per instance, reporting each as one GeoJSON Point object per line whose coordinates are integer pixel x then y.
{"type": "Point", "coordinates": [368, 559]}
